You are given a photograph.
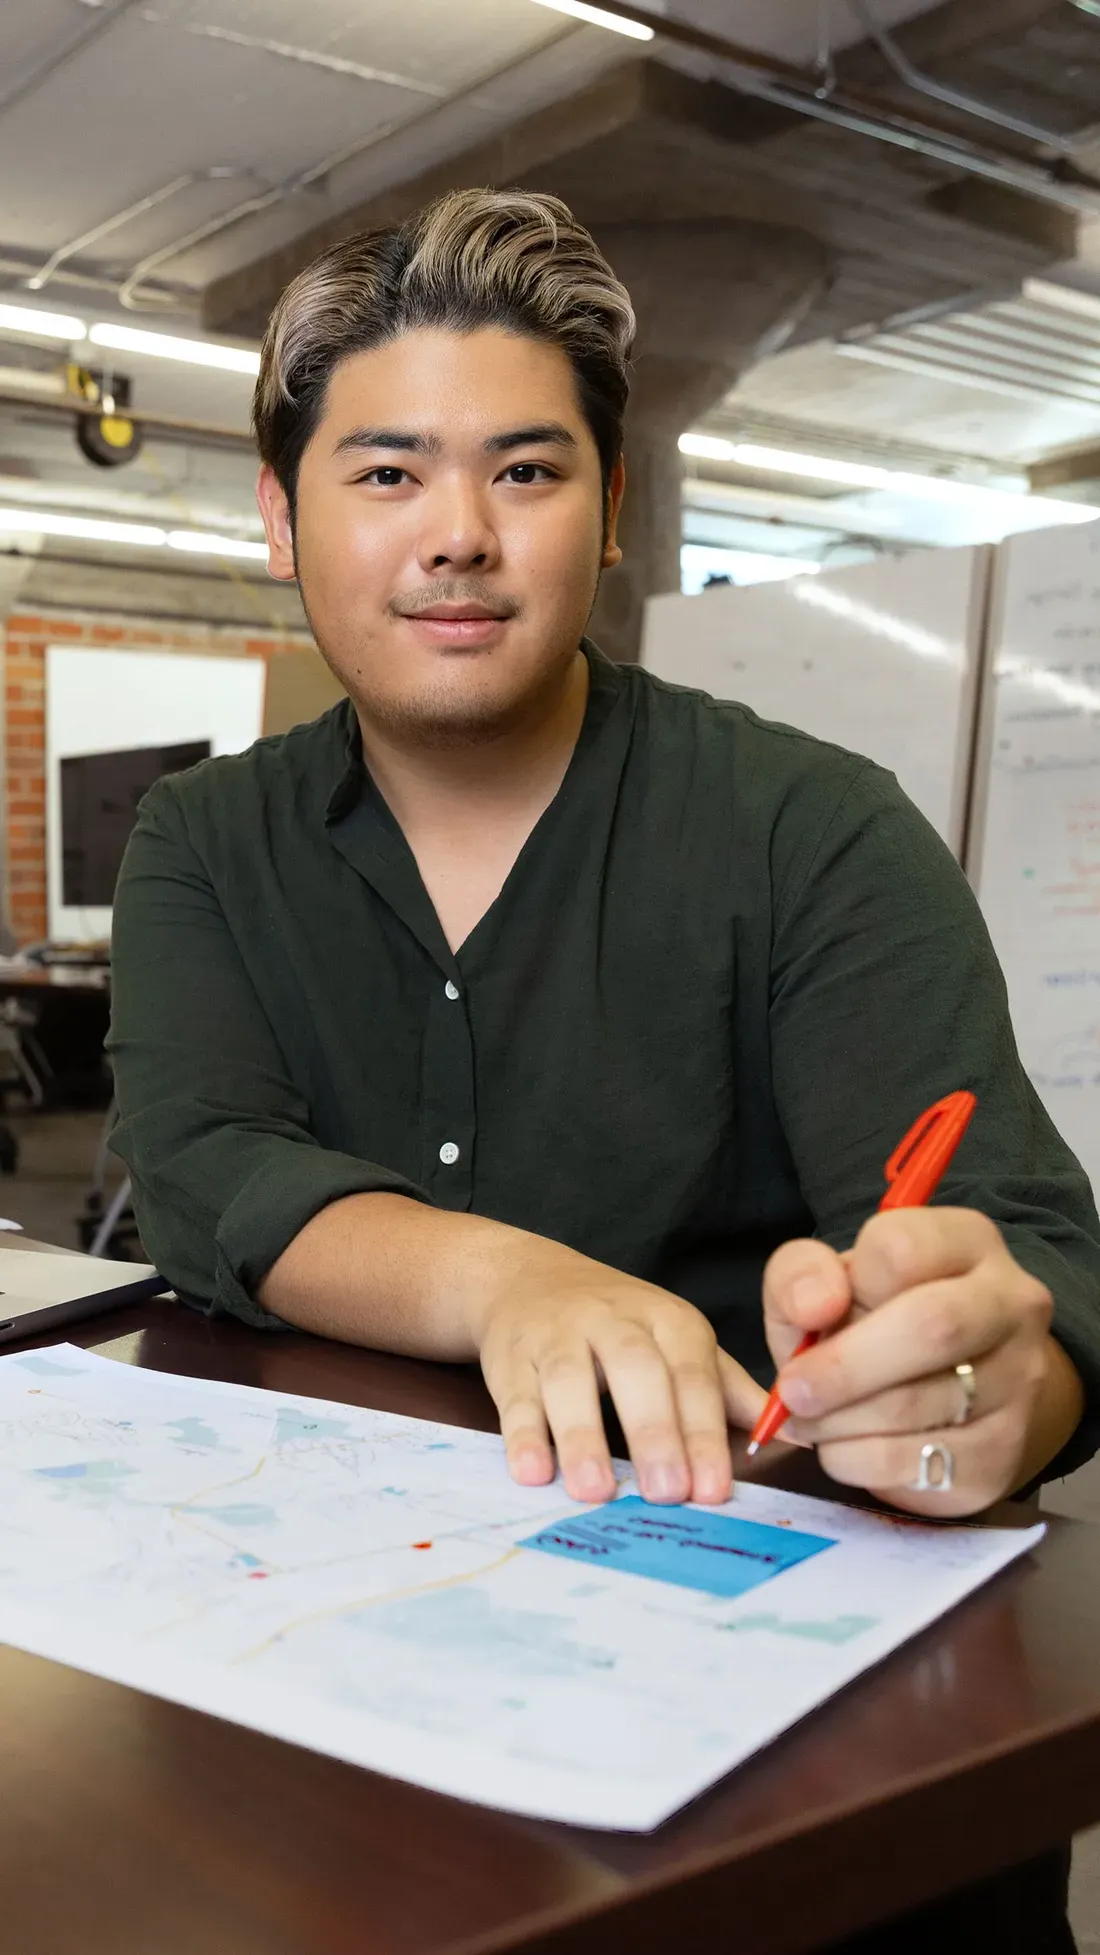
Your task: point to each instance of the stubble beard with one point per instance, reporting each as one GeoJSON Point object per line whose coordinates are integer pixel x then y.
{"type": "Point", "coordinates": [441, 719]}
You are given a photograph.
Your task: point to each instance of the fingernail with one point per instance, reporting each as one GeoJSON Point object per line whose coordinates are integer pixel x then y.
{"type": "Point", "coordinates": [711, 1484]}
{"type": "Point", "coordinates": [798, 1395]}
{"type": "Point", "coordinates": [664, 1483]}
{"type": "Point", "coordinates": [592, 1480]}
{"type": "Point", "coordinates": [530, 1467]}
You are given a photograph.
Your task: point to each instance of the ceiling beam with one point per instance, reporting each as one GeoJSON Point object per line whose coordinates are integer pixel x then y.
{"type": "Point", "coordinates": [639, 92]}
{"type": "Point", "coordinates": [1076, 466]}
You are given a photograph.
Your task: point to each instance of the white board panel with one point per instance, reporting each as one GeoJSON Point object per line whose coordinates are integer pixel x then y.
{"type": "Point", "coordinates": [1035, 858]}
{"type": "Point", "coordinates": [881, 658]}
{"type": "Point", "coordinates": [102, 702]}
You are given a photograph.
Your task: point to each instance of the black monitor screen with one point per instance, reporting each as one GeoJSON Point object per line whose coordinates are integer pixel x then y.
{"type": "Point", "coordinates": [100, 793]}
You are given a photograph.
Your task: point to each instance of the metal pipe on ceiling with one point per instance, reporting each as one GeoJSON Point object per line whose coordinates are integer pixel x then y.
{"type": "Point", "coordinates": [954, 98]}
{"type": "Point", "coordinates": [787, 86]}
{"type": "Point", "coordinates": [172, 427]}
{"type": "Point", "coordinates": [216, 172]}
{"type": "Point", "coordinates": [129, 293]}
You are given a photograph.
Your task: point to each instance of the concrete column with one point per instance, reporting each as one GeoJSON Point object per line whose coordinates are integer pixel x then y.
{"type": "Point", "coordinates": [711, 298]}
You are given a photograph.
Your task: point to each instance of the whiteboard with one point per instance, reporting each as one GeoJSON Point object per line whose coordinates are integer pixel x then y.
{"type": "Point", "coordinates": [881, 658]}
{"type": "Point", "coordinates": [1035, 855]}
{"type": "Point", "coordinates": [102, 702]}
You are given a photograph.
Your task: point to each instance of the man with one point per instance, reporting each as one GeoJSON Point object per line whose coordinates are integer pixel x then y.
{"type": "Point", "coordinates": [526, 1009]}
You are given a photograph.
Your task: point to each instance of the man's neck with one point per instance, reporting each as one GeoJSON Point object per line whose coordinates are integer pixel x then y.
{"type": "Point", "coordinates": [466, 812]}
{"type": "Point", "coordinates": [510, 777]}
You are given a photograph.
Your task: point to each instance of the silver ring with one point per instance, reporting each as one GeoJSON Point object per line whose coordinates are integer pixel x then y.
{"type": "Point", "coordinates": [965, 1375]}
{"type": "Point", "coordinates": [945, 1479]}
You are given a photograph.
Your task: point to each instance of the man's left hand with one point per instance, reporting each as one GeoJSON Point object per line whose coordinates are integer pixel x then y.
{"type": "Point", "coordinates": [922, 1291]}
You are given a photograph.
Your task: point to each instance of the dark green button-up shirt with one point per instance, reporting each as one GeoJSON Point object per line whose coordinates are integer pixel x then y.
{"type": "Point", "coordinates": [729, 968]}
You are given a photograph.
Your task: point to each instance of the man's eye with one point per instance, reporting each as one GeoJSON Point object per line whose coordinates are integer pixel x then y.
{"type": "Point", "coordinates": [384, 478]}
{"type": "Point", "coordinates": [523, 473]}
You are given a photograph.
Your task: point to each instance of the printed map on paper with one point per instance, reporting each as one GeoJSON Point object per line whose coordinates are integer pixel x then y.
{"type": "Point", "coordinates": [377, 1588]}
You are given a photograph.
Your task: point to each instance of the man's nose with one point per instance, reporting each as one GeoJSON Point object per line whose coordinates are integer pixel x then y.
{"type": "Point", "coordinates": [458, 531]}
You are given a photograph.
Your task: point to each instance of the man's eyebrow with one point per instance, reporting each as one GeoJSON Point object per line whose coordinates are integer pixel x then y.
{"type": "Point", "coordinates": [401, 439]}
{"type": "Point", "coordinates": [541, 434]}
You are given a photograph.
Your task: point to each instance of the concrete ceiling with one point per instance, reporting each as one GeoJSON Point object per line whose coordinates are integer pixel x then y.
{"type": "Point", "coordinates": [187, 141]}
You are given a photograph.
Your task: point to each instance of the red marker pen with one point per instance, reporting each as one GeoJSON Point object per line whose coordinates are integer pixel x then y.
{"type": "Point", "coordinates": [913, 1173]}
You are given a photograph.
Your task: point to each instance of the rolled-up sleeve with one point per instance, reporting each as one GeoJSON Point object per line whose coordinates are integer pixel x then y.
{"type": "Point", "coordinates": [886, 995]}
{"type": "Point", "coordinates": [211, 1126]}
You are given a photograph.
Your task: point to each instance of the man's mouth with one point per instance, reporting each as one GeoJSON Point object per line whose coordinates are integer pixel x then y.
{"type": "Point", "coordinates": [459, 623]}
{"type": "Point", "coordinates": [458, 613]}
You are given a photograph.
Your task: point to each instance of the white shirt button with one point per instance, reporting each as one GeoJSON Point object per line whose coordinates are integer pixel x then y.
{"type": "Point", "coordinates": [450, 990]}
{"type": "Point", "coordinates": [448, 1153]}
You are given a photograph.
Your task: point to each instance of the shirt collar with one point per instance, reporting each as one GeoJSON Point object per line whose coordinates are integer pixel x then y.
{"type": "Point", "coordinates": [606, 682]}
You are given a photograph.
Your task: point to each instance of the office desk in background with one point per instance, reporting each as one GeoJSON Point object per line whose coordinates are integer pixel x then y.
{"type": "Point", "coordinates": [64, 1010]}
{"type": "Point", "coordinates": [132, 1825]}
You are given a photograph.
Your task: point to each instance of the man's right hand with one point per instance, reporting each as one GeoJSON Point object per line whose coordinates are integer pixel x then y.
{"type": "Point", "coordinates": [559, 1330]}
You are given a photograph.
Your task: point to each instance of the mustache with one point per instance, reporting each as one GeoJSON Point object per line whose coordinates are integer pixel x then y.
{"type": "Point", "coordinates": [454, 590]}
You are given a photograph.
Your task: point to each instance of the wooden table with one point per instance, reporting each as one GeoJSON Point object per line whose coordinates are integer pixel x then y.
{"type": "Point", "coordinates": [135, 1827]}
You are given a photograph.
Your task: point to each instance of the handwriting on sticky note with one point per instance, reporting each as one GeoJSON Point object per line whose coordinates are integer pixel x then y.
{"type": "Point", "coordinates": [717, 1553]}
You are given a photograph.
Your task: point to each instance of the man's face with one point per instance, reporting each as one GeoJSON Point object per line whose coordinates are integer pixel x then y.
{"type": "Point", "coordinates": [450, 530]}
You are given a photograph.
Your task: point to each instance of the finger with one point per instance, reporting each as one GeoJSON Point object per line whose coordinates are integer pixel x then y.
{"type": "Point", "coordinates": [924, 1404]}
{"type": "Point", "coordinates": [922, 1332]}
{"type": "Point", "coordinates": [514, 1389]}
{"type": "Point", "coordinates": [986, 1459]}
{"type": "Point", "coordinates": [806, 1287]}
{"type": "Point", "coordinates": [745, 1399]}
{"type": "Point", "coordinates": [909, 1246]}
{"type": "Point", "coordinates": [571, 1398]}
{"type": "Point", "coordinates": [641, 1389]}
{"type": "Point", "coordinates": [690, 1351]}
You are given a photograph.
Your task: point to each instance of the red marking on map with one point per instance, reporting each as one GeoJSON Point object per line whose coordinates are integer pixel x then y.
{"type": "Point", "coordinates": [422, 1544]}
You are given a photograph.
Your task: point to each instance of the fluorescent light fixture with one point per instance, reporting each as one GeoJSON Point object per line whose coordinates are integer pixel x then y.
{"type": "Point", "coordinates": [41, 325]}
{"type": "Point", "coordinates": [96, 529]}
{"type": "Point", "coordinates": [708, 446]}
{"type": "Point", "coordinates": [865, 475]}
{"type": "Point", "coordinates": [598, 17]}
{"type": "Point", "coordinates": [44, 522]}
{"type": "Point", "coordinates": [820, 468]}
{"type": "Point", "coordinates": [215, 546]}
{"type": "Point", "coordinates": [165, 346]}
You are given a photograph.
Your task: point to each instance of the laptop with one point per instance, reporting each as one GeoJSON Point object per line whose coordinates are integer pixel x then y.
{"type": "Point", "coordinates": [40, 1290]}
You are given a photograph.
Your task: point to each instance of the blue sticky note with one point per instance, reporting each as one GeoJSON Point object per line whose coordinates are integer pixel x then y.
{"type": "Point", "coordinates": [717, 1553]}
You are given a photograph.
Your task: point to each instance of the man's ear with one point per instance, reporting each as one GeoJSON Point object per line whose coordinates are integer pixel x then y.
{"type": "Point", "coordinates": [615, 488]}
{"type": "Point", "coordinates": [275, 510]}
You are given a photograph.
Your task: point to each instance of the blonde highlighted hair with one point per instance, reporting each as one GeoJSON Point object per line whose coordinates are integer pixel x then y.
{"type": "Point", "coordinates": [474, 258]}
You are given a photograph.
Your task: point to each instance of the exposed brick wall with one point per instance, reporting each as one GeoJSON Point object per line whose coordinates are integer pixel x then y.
{"type": "Point", "coordinates": [25, 644]}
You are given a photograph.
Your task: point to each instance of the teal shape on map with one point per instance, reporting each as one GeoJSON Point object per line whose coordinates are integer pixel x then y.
{"type": "Point", "coordinates": [240, 1513]}
{"type": "Point", "coordinates": [828, 1629]}
{"type": "Point", "coordinates": [194, 1432]}
{"type": "Point", "coordinates": [719, 1554]}
{"type": "Point", "coordinates": [87, 1475]}
{"type": "Point", "coordinates": [290, 1424]}
{"type": "Point", "coordinates": [523, 1642]}
{"type": "Point", "coordinates": [48, 1367]}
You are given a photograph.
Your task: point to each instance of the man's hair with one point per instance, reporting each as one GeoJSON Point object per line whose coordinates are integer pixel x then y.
{"type": "Point", "coordinates": [473, 258]}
